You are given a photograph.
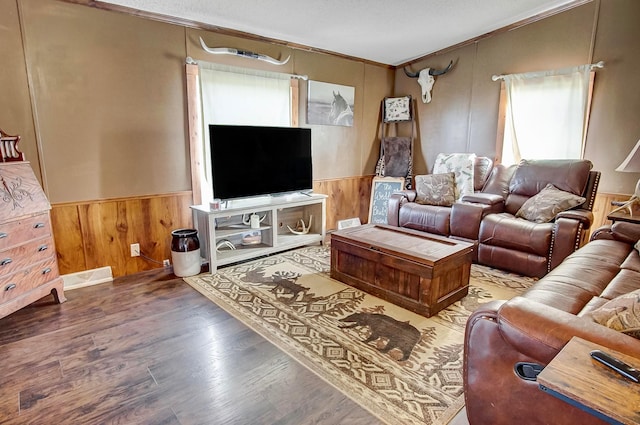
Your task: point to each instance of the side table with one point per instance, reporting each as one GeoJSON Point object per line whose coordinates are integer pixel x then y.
{"type": "Point", "coordinates": [574, 377]}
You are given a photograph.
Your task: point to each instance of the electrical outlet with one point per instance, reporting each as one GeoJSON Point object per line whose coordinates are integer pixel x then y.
{"type": "Point", "coordinates": [135, 249]}
{"type": "Point", "coordinates": [166, 263]}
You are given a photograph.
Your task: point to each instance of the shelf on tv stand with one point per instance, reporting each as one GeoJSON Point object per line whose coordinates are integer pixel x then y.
{"type": "Point", "coordinates": [279, 212]}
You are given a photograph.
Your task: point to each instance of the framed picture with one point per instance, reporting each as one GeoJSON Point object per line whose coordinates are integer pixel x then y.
{"type": "Point", "coordinates": [397, 109]}
{"type": "Point", "coordinates": [381, 189]}
{"type": "Point", "coordinates": [330, 104]}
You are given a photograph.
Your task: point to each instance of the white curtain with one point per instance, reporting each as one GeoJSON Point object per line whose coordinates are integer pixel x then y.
{"type": "Point", "coordinates": [232, 95]}
{"type": "Point", "coordinates": [546, 114]}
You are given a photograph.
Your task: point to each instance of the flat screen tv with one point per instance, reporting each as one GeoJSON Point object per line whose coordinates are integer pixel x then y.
{"type": "Point", "coordinates": [251, 161]}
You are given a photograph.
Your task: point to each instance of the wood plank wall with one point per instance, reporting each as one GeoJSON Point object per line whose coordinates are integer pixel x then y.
{"type": "Point", "coordinates": [93, 234]}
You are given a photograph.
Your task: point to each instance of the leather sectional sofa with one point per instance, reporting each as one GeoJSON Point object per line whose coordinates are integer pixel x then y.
{"type": "Point", "coordinates": [535, 326]}
{"type": "Point", "coordinates": [489, 216]}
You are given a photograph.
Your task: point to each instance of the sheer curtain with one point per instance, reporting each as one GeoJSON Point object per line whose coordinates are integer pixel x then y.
{"type": "Point", "coordinates": [232, 95]}
{"type": "Point", "coordinates": [546, 114]}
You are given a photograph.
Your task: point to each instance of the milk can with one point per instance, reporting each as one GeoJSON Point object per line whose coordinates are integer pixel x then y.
{"type": "Point", "coordinates": [185, 252]}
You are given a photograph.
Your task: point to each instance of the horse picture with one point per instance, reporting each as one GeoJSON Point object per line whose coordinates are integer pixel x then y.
{"type": "Point", "coordinates": [330, 104]}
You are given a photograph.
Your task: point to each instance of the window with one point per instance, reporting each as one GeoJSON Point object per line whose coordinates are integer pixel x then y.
{"type": "Point", "coordinates": [545, 115]}
{"type": "Point", "coordinates": [232, 95]}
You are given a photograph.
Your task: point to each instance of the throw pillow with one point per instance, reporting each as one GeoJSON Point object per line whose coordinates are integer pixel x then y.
{"type": "Point", "coordinates": [436, 189]}
{"type": "Point", "coordinates": [543, 207]}
{"type": "Point", "coordinates": [621, 314]}
{"type": "Point", "coordinates": [462, 164]}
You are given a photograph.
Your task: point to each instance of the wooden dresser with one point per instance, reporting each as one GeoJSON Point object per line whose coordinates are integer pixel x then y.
{"type": "Point", "coordinates": [28, 264]}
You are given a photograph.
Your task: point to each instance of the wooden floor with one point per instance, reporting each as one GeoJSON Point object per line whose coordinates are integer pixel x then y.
{"type": "Point", "coordinates": [148, 349]}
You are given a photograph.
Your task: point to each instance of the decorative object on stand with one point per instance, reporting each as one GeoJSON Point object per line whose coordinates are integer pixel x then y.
{"type": "Point", "coordinates": [224, 244]}
{"type": "Point", "coordinates": [396, 153]}
{"type": "Point", "coordinates": [253, 220]}
{"type": "Point", "coordinates": [426, 79]}
{"type": "Point", "coordinates": [9, 148]}
{"type": "Point", "coordinates": [330, 104]}
{"type": "Point", "coordinates": [631, 164]}
{"type": "Point", "coordinates": [302, 229]}
{"type": "Point", "coordinates": [242, 53]}
{"type": "Point", "coordinates": [252, 238]}
{"type": "Point", "coordinates": [397, 109]}
{"type": "Point", "coordinates": [381, 190]}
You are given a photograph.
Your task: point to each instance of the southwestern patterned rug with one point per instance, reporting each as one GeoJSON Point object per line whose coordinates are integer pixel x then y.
{"type": "Point", "coordinates": [402, 367]}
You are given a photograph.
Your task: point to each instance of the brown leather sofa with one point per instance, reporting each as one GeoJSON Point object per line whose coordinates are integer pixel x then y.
{"type": "Point", "coordinates": [488, 217]}
{"type": "Point", "coordinates": [534, 326]}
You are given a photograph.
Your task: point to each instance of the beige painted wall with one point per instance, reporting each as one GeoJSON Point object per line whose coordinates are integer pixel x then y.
{"type": "Point", "coordinates": [109, 99]}
{"type": "Point", "coordinates": [463, 114]}
{"type": "Point", "coordinates": [99, 96]}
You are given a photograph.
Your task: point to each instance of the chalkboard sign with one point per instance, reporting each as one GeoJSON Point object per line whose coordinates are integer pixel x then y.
{"type": "Point", "coordinates": [381, 190]}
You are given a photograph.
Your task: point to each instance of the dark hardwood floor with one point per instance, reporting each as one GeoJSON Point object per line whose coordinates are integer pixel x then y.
{"type": "Point", "coordinates": [149, 349]}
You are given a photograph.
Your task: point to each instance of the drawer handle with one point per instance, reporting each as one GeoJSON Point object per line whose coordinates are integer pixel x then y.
{"type": "Point", "coordinates": [42, 248]}
{"type": "Point", "coordinates": [38, 225]}
{"type": "Point", "coordinates": [9, 287]}
{"type": "Point", "coordinates": [3, 235]}
{"type": "Point", "coordinates": [47, 270]}
{"type": "Point", "coordinates": [5, 261]}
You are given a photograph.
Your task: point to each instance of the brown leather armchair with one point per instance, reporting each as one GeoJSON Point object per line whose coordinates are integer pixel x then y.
{"type": "Point", "coordinates": [530, 248]}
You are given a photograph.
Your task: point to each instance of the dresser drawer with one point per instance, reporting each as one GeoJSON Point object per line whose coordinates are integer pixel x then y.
{"type": "Point", "coordinates": [22, 281]}
{"type": "Point", "coordinates": [21, 256]}
{"type": "Point", "coordinates": [19, 231]}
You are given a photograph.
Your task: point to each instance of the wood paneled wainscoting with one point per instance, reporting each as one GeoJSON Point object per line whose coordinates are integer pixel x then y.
{"type": "Point", "coordinates": [93, 234]}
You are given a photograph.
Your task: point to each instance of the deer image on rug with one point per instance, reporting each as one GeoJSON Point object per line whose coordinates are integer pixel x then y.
{"type": "Point", "coordinates": [400, 335]}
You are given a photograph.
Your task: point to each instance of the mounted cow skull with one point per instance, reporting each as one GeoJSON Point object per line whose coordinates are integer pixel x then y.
{"type": "Point", "coordinates": [426, 80]}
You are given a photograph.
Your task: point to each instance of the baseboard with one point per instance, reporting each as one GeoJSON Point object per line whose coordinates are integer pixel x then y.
{"type": "Point", "coordinates": [87, 278]}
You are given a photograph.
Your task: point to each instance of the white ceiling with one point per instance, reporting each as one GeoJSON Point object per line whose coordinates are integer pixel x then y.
{"type": "Point", "coordinates": [386, 31]}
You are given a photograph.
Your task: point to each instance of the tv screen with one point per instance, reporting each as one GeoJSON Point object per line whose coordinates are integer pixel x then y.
{"type": "Point", "coordinates": [251, 161]}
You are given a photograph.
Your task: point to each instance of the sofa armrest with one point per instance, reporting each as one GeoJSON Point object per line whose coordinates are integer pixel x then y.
{"type": "Point", "coordinates": [620, 231]}
{"type": "Point", "coordinates": [539, 331]}
{"type": "Point", "coordinates": [569, 234]}
{"type": "Point", "coordinates": [584, 216]}
{"type": "Point", "coordinates": [465, 219]}
{"type": "Point", "coordinates": [495, 202]}
{"type": "Point", "coordinates": [396, 200]}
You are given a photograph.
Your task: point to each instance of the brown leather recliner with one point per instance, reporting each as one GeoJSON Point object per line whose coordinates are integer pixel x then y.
{"type": "Point", "coordinates": [461, 221]}
{"type": "Point", "coordinates": [526, 247]}
{"type": "Point", "coordinates": [536, 325]}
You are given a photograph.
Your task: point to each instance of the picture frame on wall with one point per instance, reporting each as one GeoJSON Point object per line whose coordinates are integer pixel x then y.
{"type": "Point", "coordinates": [330, 104]}
{"type": "Point", "coordinates": [397, 109]}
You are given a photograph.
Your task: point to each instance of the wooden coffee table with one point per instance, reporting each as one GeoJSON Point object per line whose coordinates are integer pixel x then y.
{"type": "Point", "coordinates": [421, 272]}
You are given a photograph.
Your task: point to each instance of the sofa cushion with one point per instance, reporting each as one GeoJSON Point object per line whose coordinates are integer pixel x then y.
{"type": "Point", "coordinates": [463, 165]}
{"type": "Point", "coordinates": [436, 189]}
{"type": "Point", "coordinates": [427, 218]}
{"type": "Point", "coordinates": [543, 207]}
{"type": "Point", "coordinates": [531, 176]}
{"type": "Point", "coordinates": [507, 231]}
{"type": "Point", "coordinates": [621, 314]}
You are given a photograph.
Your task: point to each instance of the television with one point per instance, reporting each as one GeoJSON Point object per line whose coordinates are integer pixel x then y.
{"type": "Point", "coordinates": [251, 161]}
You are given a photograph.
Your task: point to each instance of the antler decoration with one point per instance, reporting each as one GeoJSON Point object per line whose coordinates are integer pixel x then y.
{"type": "Point", "coordinates": [243, 53]}
{"type": "Point", "coordinates": [305, 229]}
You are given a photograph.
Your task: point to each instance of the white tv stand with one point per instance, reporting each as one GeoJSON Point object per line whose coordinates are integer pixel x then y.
{"type": "Point", "coordinates": [280, 211]}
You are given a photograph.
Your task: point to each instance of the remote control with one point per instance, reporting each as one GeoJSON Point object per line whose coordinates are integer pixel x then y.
{"type": "Point", "coordinates": [617, 365]}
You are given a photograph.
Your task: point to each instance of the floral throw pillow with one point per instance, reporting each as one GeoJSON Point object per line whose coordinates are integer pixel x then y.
{"type": "Point", "coordinates": [462, 165]}
{"type": "Point", "coordinates": [621, 314]}
{"type": "Point", "coordinates": [436, 189]}
{"type": "Point", "coordinates": [543, 207]}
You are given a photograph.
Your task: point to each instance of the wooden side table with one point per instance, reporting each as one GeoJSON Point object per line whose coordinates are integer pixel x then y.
{"type": "Point", "coordinates": [623, 215]}
{"type": "Point", "coordinates": [573, 376]}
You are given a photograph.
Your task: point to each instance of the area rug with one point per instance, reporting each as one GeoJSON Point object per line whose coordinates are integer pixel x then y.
{"type": "Point", "coordinates": [402, 367]}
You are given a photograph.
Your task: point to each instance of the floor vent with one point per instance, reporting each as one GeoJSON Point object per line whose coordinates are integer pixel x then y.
{"type": "Point", "coordinates": [87, 278]}
{"type": "Point", "coordinates": [350, 222]}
